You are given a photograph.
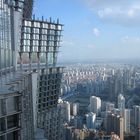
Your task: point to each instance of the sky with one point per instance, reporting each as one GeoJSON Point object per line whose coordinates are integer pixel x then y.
{"type": "Point", "coordinates": [95, 29]}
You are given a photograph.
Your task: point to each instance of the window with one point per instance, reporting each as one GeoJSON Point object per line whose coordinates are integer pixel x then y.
{"type": "Point", "coordinates": [1, 106]}
{"type": "Point", "coordinates": [27, 23]}
{"type": "Point", "coordinates": [35, 42]}
{"type": "Point", "coordinates": [59, 27]}
{"type": "Point", "coordinates": [45, 25]}
{"type": "Point", "coordinates": [34, 56]}
{"type": "Point", "coordinates": [2, 124]}
{"type": "Point", "coordinates": [36, 36]}
{"type": "Point", "coordinates": [43, 43]}
{"type": "Point", "coordinates": [57, 32]}
{"type": "Point", "coordinates": [44, 31]}
{"type": "Point", "coordinates": [26, 36]}
{"type": "Point", "coordinates": [26, 42]}
{"type": "Point", "coordinates": [2, 137]}
{"type": "Point", "coordinates": [27, 29]}
{"type": "Point", "coordinates": [39, 106]}
{"type": "Point", "coordinates": [13, 136]}
{"type": "Point", "coordinates": [12, 104]}
{"type": "Point", "coordinates": [36, 30]}
{"type": "Point", "coordinates": [51, 49]}
{"type": "Point", "coordinates": [12, 121]}
{"type": "Point", "coordinates": [43, 105]}
{"type": "Point", "coordinates": [52, 26]}
{"type": "Point", "coordinates": [50, 58]}
{"type": "Point", "coordinates": [39, 101]}
{"type": "Point", "coordinates": [44, 37]}
{"type": "Point", "coordinates": [36, 24]}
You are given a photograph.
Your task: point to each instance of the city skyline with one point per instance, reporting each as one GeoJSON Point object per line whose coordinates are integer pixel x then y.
{"type": "Point", "coordinates": [95, 29]}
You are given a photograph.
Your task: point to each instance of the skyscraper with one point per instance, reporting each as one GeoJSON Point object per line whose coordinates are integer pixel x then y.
{"type": "Point", "coordinates": [16, 116]}
{"type": "Point", "coordinates": [75, 109]}
{"type": "Point", "coordinates": [121, 102]}
{"type": "Point", "coordinates": [95, 105]}
{"type": "Point", "coordinates": [137, 133]}
{"type": "Point", "coordinates": [40, 40]}
{"type": "Point", "coordinates": [66, 108]}
{"type": "Point", "coordinates": [90, 120]}
{"type": "Point", "coordinates": [29, 78]}
{"type": "Point", "coordinates": [127, 121]}
{"type": "Point", "coordinates": [115, 124]}
{"type": "Point", "coordinates": [136, 110]}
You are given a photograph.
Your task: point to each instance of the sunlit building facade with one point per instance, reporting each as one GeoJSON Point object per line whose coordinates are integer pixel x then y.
{"type": "Point", "coordinates": [29, 78]}
{"type": "Point", "coordinates": [16, 116]}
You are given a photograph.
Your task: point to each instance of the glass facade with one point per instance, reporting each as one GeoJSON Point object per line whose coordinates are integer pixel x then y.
{"type": "Point", "coordinates": [16, 116]}
{"type": "Point", "coordinates": [6, 50]}
{"type": "Point", "coordinates": [48, 92]}
{"type": "Point", "coordinates": [33, 45]}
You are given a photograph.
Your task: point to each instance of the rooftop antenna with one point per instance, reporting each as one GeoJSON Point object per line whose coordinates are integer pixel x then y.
{"type": "Point", "coordinates": [58, 21]}
{"type": "Point", "coordinates": [50, 19]}
{"type": "Point", "coordinates": [34, 16]}
{"type": "Point", "coordinates": [42, 18]}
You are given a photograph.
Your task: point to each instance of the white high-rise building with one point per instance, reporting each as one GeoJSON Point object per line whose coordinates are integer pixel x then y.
{"type": "Point", "coordinates": [66, 109]}
{"type": "Point", "coordinates": [90, 120]}
{"type": "Point", "coordinates": [75, 109]}
{"type": "Point", "coordinates": [127, 121]}
{"type": "Point", "coordinates": [121, 102]}
{"type": "Point", "coordinates": [95, 105]}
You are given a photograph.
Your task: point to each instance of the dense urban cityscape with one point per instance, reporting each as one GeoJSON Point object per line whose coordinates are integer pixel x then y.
{"type": "Point", "coordinates": [41, 99]}
{"type": "Point", "coordinates": [102, 98]}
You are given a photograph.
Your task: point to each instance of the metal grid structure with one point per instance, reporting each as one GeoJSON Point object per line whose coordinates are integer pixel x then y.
{"type": "Point", "coordinates": [10, 112]}
{"type": "Point", "coordinates": [54, 129]}
{"type": "Point", "coordinates": [48, 93]}
{"type": "Point", "coordinates": [40, 41]}
{"type": "Point", "coordinates": [16, 115]}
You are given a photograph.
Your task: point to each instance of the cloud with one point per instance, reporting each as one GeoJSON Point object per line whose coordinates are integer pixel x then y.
{"type": "Point", "coordinates": [96, 31]}
{"type": "Point", "coordinates": [67, 43]}
{"type": "Point", "coordinates": [125, 12]}
{"type": "Point", "coordinates": [131, 40]}
{"type": "Point", "coordinates": [91, 46]}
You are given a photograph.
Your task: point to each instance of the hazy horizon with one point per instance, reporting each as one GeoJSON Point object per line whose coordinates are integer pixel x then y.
{"type": "Point", "coordinates": [104, 61]}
